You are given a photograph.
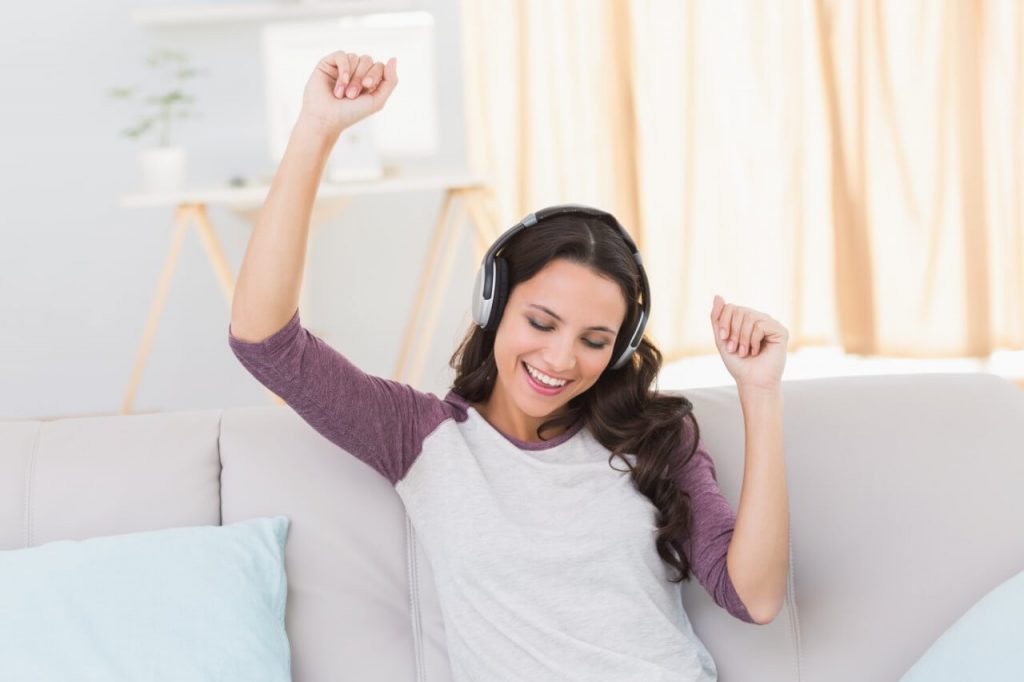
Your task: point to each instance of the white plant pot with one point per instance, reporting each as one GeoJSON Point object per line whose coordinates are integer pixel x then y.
{"type": "Point", "coordinates": [163, 169]}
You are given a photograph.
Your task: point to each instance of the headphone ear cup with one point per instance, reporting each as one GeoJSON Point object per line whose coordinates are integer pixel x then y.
{"type": "Point", "coordinates": [500, 293]}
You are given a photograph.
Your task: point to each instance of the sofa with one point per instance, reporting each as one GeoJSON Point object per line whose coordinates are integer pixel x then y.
{"type": "Point", "coordinates": [905, 502]}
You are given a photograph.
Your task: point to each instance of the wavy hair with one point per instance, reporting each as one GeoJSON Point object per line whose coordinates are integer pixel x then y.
{"type": "Point", "coordinates": [623, 409]}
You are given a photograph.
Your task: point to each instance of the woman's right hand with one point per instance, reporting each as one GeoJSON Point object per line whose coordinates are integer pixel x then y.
{"type": "Point", "coordinates": [346, 88]}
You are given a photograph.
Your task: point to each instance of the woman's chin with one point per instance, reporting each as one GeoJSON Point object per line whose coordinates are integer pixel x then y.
{"type": "Point", "coordinates": [541, 407]}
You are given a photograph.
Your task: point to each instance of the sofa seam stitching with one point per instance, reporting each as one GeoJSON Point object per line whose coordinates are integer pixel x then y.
{"type": "Point", "coordinates": [414, 611]}
{"type": "Point", "coordinates": [220, 470]}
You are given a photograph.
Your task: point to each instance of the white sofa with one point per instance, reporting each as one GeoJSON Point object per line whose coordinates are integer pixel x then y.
{"type": "Point", "coordinates": [905, 498]}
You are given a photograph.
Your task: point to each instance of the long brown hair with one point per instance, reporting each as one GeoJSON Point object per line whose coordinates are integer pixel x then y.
{"type": "Point", "coordinates": [623, 409]}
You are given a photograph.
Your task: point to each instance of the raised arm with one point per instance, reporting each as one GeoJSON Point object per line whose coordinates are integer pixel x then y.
{"type": "Point", "coordinates": [380, 421]}
{"type": "Point", "coordinates": [267, 293]}
{"type": "Point", "coordinates": [713, 523]}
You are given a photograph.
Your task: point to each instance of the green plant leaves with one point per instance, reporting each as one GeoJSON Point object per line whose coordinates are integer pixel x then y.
{"type": "Point", "coordinates": [169, 101]}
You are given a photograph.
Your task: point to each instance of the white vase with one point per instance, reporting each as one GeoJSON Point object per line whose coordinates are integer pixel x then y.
{"type": "Point", "coordinates": [163, 169]}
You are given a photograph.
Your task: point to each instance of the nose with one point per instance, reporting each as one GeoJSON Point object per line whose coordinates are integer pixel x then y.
{"type": "Point", "coordinates": [560, 355]}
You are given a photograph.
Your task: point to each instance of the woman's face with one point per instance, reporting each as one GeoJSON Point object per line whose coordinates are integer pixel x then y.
{"type": "Point", "coordinates": [562, 322]}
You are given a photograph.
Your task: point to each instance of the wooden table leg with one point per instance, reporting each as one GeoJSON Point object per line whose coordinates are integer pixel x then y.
{"type": "Point", "coordinates": [484, 224]}
{"type": "Point", "coordinates": [213, 251]}
{"type": "Point", "coordinates": [185, 214]}
{"type": "Point", "coordinates": [436, 241]}
{"type": "Point", "coordinates": [180, 228]}
{"type": "Point", "coordinates": [438, 290]}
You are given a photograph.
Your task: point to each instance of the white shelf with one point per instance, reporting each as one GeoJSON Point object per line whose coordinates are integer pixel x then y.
{"type": "Point", "coordinates": [266, 11]}
{"type": "Point", "coordinates": [254, 196]}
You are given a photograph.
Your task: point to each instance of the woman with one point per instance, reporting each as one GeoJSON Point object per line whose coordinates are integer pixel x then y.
{"type": "Point", "coordinates": [550, 563]}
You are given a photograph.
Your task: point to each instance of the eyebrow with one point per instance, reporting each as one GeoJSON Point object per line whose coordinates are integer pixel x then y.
{"type": "Point", "coordinates": [552, 314]}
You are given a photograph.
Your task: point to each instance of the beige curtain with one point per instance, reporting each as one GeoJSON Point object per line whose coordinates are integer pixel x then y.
{"type": "Point", "coordinates": [852, 167]}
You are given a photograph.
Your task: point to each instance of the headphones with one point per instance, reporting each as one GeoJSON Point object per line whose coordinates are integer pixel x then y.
{"type": "Point", "coordinates": [491, 289]}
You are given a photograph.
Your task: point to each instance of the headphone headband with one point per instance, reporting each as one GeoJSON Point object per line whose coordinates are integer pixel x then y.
{"type": "Point", "coordinates": [491, 289]}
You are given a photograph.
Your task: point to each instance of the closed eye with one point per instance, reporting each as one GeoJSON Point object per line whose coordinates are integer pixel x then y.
{"type": "Point", "coordinates": [588, 342]}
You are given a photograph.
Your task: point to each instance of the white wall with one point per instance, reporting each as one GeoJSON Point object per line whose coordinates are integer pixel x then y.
{"type": "Point", "coordinates": [78, 273]}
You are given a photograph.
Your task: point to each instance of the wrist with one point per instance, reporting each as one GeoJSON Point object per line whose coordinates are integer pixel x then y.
{"type": "Point", "coordinates": [313, 129]}
{"type": "Point", "coordinates": [760, 403]}
{"type": "Point", "coordinates": [759, 390]}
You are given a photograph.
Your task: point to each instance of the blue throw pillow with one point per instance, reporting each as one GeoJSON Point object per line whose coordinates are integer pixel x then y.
{"type": "Point", "coordinates": [200, 603]}
{"type": "Point", "coordinates": [986, 643]}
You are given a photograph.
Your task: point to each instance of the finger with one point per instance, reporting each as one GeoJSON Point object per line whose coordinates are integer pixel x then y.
{"type": "Point", "coordinates": [383, 91]}
{"type": "Point", "coordinates": [339, 66]}
{"type": "Point", "coordinates": [331, 66]}
{"type": "Point", "coordinates": [746, 329]}
{"type": "Point", "coordinates": [716, 308]}
{"type": "Point", "coordinates": [756, 337]}
{"type": "Point", "coordinates": [724, 323]}
{"type": "Point", "coordinates": [736, 323]}
{"type": "Point", "coordinates": [372, 78]}
{"type": "Point", "coordinates": [355, 82]}
{"type": "Point", "coordinates": [353, 62]}
{"type": "Point", "coordinates": [330, 63]}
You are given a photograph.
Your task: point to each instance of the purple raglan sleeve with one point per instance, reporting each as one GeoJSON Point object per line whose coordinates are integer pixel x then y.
{"type": "Point", "coordinates": [380, 421]}
{"type": "Point", "coordinates": [713, 524]}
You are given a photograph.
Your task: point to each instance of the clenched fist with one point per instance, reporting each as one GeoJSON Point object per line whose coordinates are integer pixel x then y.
{"type": "Point", "coordinates": [752, 344]}
{"type": "Point", "coordinates": [346, 88]}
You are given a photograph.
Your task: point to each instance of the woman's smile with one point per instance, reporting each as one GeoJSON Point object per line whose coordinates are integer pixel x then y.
{"type": "Point", "coordinates": [535, 379]}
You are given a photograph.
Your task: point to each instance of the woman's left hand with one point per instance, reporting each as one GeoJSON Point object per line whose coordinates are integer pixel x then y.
{"type": "Point", "coordinates": [754, 350]}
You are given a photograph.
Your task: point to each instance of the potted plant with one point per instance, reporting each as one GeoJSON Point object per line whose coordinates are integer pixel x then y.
{"type": "Point", "coordinates": [163, 163]}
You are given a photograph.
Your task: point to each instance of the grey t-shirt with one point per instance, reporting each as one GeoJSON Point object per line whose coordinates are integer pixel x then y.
{"type": "Point", "coordinates": [543, 554]}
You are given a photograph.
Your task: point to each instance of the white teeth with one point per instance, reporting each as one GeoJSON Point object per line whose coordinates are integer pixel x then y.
{"type": "Point", "coordinates": [545, 379]}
